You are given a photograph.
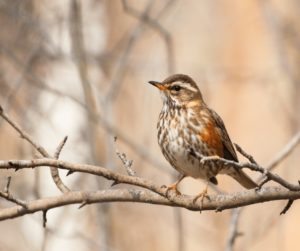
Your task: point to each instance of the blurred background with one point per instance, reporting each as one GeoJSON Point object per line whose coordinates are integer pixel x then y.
{"type": "Point", "coordinates": [80, 68]}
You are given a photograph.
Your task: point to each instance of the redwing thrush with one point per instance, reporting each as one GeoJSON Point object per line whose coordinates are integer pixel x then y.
{"type": "Point", "coordinates": [186, 121]}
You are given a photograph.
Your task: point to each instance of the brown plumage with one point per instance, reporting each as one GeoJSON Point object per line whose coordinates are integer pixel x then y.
{"type": "Point", "coordinates": [185, 120]}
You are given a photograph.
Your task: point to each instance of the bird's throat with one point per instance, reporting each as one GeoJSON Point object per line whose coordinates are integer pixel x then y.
{"type": "Point", "coordinates": [193, 103]}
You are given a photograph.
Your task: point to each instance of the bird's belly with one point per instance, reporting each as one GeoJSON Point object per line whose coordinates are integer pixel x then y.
{"type": "Point", "coordinates": [175, 150]}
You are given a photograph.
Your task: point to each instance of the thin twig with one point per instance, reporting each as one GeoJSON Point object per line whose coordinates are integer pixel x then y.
{"type": "Point", "coordinates": [6, 188]}
{"type": "Point", "coordinates": [6, 195]}
{"type": "Point", "coordinates": [59, 148]}
{"type": "Point", "coordinates": [125, 162]}
{"type": "Point", "coordinates": [54, 171]}
{"type": "Point", "coordinates": [248, 156]}
{"type": "Point", "coordinates": [287, 207]}
{"type": "Point", "coordinates": [44, 218]}
{"type": "Point", "coordinates": [264, 181]}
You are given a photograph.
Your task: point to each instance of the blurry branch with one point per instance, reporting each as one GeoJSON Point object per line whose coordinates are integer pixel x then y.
{"type": "Point", "coordinates": [286, 151]}
{"type": "Point", "coordinates": [78, 49]}
{"type": "Point", "coordinates": [235, 213]}
{"type": "Point", "coordinates": [154, 24]}
{"type": "Point", "coordinates": [115, 84]}
{"type": "Point", "coordinates": [35, 79]}
{"type": "Point", "coordinates": [54, 171]}
{"type": "Point", "coordinates": [80, 59]}
{"type": "Point", "coordinates": [290, 146]}
{"type": "Point", "coordinates": [95, 116]}
{"type": "Point", "coordinates": [79, 53]}
{"type": "Point", "coordinates": [26, 18]}
{"type": "Point", "coordinates": [122, 65]}
{"type": "Point", "coordinates": [278, 37]}
{"type": "Point", "coordinates": [14, 91]}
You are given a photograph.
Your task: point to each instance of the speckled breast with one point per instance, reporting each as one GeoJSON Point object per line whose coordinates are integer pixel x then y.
{"type": "Point", "coordinates": [176, 130]}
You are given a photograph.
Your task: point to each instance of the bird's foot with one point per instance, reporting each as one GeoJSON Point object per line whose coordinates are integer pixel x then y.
{"type": "Point", "coordinates": [173, 187]}
{"type": "Point", "coordinates": [202, 195]}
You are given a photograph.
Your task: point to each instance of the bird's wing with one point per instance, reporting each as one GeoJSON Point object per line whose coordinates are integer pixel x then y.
{"type": "Point", "coordinates": [228, 149]}
{"type": "Point", "coordinates": [230, 154]}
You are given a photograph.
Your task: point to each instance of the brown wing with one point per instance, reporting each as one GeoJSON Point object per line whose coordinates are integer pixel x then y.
{"type": "Point", "coordinates": [228, 149]}
{"type": "Point", "coordinates": [230, 154]}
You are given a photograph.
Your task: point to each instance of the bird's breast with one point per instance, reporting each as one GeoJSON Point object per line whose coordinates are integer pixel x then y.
{"type": "Point", "coordinates": [177, 130]}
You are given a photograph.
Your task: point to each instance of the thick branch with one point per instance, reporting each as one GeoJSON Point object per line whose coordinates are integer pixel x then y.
{"type": "Point", "coordinates": [224, 201]}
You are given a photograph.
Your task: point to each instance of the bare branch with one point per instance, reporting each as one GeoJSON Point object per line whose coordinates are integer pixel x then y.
{"type": "Point", "coordinates": [220, 202]}
{"type": "Point", "coordinates": [248, 156]}
{"type": "Point", "coordinates": [125, 162]}
{"type": "Point", "coordinates": [54, 172]}
{"type": "Point", "coordinates": [35, 79]}
{"type": "Point", "coordinates": [9, 197]}
{"type": "Point", "coordinates": [241, 199]}
{"type": "Point", "coordinates": [251, 166]}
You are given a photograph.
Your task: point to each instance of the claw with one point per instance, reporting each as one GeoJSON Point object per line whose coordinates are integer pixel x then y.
{"type": "Point", "coordinates": [173, 187]}
{"type": "Point", "coordinates": [202, 195]}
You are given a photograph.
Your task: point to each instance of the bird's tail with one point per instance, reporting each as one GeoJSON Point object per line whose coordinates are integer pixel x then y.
{"type": "Point", "coordinates": [243, 179]}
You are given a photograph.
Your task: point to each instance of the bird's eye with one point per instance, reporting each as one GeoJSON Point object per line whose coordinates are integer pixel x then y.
{"type": "Point", "coordinates": [177, 88]}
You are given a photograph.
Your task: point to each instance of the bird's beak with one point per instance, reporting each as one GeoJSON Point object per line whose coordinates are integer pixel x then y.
{"type": "Point", "coordinates": [158, 85]}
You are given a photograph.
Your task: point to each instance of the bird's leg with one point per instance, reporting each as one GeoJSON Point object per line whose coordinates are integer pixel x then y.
{"type": "Point", "coordinates": [202, 195]}
{"type": "Point", "coordinates": [174, 186]}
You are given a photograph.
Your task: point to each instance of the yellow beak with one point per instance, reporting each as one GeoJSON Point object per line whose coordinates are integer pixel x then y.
{"type": "Point", "coordinates": [158, 85]}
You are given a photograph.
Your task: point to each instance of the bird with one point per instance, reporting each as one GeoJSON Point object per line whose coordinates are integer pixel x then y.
{"type": "Point", "coordinates": [186, 122]}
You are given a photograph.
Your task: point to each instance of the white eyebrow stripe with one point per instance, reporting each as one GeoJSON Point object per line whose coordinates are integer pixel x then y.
{"type": "Point", "coordinates": [186, 86]}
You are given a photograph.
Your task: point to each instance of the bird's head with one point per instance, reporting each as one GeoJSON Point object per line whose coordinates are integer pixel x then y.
{"type": "Point", "coordinates": [179, 91]}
